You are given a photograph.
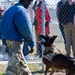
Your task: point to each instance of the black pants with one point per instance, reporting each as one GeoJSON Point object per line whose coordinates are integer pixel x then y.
{"type": "Point", "coordinates": [4, 43]}
{"type": "Point", "coordinates": [62, 32]}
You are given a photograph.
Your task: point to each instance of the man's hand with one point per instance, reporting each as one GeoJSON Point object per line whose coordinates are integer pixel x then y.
{"type": "Point", "coordinates": [47, 24]}
{"type": "Point", "coordinates": [74, 20]}
{"type": "Point", "coordinates": [31, 50]}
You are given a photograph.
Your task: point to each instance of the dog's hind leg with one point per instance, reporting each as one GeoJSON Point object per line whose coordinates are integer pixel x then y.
{"type": "Point", "coordinates": [46, 69]}
{"type": "Point", "coordinates": [52, 72]}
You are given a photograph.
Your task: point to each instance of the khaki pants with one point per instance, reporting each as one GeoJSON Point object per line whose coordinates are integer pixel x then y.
{"type": "Point", "coordinates": [16, 64]}
{"type": "Point", "coordinates": [37, 39]}
{"type": "Point", "coordinates": [69, 31]}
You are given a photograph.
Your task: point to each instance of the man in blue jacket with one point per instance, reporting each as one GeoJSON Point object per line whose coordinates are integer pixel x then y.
{"type": "Point", "coordinates": [16, 25]}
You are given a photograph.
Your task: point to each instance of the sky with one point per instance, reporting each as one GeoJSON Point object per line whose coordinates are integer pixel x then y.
{"type": "Point", "coordinates": [49, 2]}
{"type": "Point", "coordinates": [52, 2]}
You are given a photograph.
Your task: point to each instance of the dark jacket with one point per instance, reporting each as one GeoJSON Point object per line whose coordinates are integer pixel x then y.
{"type": "Point", "coordinates": [59, 5]}
{"type": "Point", "coordinates": [66, 13]}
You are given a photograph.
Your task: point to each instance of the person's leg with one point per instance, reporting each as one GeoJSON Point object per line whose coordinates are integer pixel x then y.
{"type": "Point", "coordinates": [16, 64]}
{"type": "Point", "coordinates": [4, 43]}
{"type": "Point", "coordinates": [67, 32]}
{"type": "Point", "coordinates": [37, 38]}
{"type": "Point", "coordinates": [62, 32]}
{"type": "Point", "coordinates": [73, 39]}
{"type": "Point", "coordinates": [35, 23]}
{"type": "Point", "coordinates": [40, 47]}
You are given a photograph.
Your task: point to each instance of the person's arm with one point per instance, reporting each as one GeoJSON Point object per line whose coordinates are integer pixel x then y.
{"type": "Point", "coordinates": [74, 16]}
{"type": "Point", "coordinates": [34, 6]}
{"type": "Point", "coordinates": [23, 24]}
{"type": "Point", "coordinates": [47, 17]}
{"type": "Point", "coordinates": [57, 12]}
{"type": "Point", "coordinates": [61, 14]}
{"type": "Point", "coordinates": [57, 9]}
{"type": "Point", "coordinates": [74, 20]}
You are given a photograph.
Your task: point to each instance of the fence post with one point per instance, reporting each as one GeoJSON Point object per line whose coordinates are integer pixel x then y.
{"type": "Point", "coordinates": [43, 28]}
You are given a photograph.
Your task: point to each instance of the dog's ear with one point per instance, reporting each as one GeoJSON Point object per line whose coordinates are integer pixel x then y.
{"type": "Point", "coordinates": [48, 40]}
{"type": "Point", "coordinates": [45, 40]}
{"type": "Point", "coordinates": [45, 37]}
{"type": "Point", "coordinates": [52, 39]}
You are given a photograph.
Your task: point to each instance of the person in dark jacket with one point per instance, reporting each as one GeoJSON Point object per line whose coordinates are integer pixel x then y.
{"type": "Point", "coordinates": [59, 5]}
{"type": "Point", "coordinates": [16, 26]}
{"type": "Point", "coordinates": [66, 17]}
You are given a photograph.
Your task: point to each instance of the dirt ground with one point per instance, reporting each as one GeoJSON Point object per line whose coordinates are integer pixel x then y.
{"type": "Point", "coordinates": [37, 70]}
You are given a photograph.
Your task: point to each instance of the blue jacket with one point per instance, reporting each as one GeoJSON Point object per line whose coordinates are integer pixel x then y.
{"type": "Point", "coordinates": [16, 24]}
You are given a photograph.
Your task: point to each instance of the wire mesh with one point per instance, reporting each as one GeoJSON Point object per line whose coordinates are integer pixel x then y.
{"type": "Point", "coordinates": [34, 60]}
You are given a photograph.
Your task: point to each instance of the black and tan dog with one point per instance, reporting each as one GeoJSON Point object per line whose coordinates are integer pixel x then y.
{"type": "Point", "coordinates": [56, 61]}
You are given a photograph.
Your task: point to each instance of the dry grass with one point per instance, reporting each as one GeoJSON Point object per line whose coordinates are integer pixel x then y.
{"type": "Point", "coordinates": [36, 69]}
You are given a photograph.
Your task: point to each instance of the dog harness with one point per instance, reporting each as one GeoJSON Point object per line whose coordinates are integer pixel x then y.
{"type": "Point", "coordinates": [48, 56]}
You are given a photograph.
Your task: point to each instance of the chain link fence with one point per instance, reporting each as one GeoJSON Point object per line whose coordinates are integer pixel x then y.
{"type": "Point", "coordinates": [34, 61]}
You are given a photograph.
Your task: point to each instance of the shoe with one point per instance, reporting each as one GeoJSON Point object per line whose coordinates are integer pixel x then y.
{"type": "Point", "coordinates": [3, 57]}
{"type": "Point", "coordinates": [27, 57]}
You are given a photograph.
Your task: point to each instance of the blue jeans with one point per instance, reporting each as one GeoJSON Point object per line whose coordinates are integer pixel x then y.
{"type": "Point", "coordinates": [4, 43]}
{"type": "Point", "coordinates": [40, 47]}
{"type": "Point", "coordinates": [62, 32]}
{"type": "Point", "coordinates": [25, 49]}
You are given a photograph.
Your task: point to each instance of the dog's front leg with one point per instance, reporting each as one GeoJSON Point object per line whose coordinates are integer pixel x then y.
{"type": "Point", "coordinates": [52, 72]}
{"type": "Point", "coordinates": [46, 69]}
